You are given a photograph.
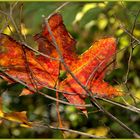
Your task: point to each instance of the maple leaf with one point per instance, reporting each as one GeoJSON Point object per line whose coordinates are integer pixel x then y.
{"type": "Point", "coordinates": [39, 71]}
{"type": "Point", "coordinates": [98, 55]}
{"type": "Point", "coordinates": [12, 59]}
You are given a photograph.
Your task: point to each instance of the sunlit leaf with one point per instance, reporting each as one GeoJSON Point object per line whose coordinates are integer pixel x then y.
{"type": "Point", "coordinates": [38, 71]}
{"type": "Point", "coordinates": [18, 117]}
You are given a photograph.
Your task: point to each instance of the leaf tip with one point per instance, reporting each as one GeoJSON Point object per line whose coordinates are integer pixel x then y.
{"type": "Point", "coordinates": [85, 113]}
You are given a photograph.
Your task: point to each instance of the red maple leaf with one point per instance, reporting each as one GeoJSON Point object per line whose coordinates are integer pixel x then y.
{"type": "Point", "coordinates": [39, 71]}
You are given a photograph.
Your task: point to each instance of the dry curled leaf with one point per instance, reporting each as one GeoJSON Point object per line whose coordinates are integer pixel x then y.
{"type": "Point", "coordinates": [18, 117]}
{"type": "Point", "coordinates": [38, 71]}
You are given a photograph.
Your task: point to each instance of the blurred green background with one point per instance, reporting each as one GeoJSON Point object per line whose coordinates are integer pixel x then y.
{"type": "Point", "coordinates": [86, 22]}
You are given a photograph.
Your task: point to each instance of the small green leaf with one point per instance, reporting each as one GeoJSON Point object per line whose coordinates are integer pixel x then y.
{"type": "Point", "coordinates": [62, 75]}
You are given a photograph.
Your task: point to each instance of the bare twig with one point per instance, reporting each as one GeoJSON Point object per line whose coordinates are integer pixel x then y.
{"type": "Point", "coordinates": [128, 107]}
{"type": "Point", "coordinates": [130, 56]}
{"type": "Point", "coordinates": [136, 135]}
{"type": "Point", "coordinates": [129, 33]}
{"type": "Point", "coordinates": [43, 54]}
{"type": "Point", "coordinates": [21, 22]}
{"type": "Point", "coordinates": [68, 130]}
{"type": "Point", "coordinates": [45, 95]}
{"type": "Point", "coordinates": [58, 9]}
{"type": "Point", "coordinates": [9, 15]}
{"type": "Point", "coordinates": [131, 48]}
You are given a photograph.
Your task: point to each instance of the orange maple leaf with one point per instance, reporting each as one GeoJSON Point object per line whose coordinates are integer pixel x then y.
{"type": "Point", "coordinates": [89, 68]}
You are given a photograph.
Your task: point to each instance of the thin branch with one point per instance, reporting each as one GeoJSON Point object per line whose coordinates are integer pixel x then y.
{"type": "Point", "coordinates": [9, 15]}
{"type": "Point", "coordinates": [77, 132]}
{"type": "Point", "coordinates": [4, 26]}
{"type": "Point", "coordinates": [128, 107]}
{"type": "Point", "coordinates": [21, 22]}
{"type": "Point", "coordinates": [4, 13]}
{"type": "Point", "coordinates": [131, 47]}
{"type": "Point", "coordinates": [128, 32]}
{"type": "Point", "coordinates": [130, 56]}
{"type": "Point", "coordinates": [136, 135]}
{"type": "Point", "coordinates": [90, 78]}
{"type": "Point", "coordinates": [58, 9]}
{"type": "Point", "coordinates": [68, 130]}
{"type": "Point", "coordinates": [43, 54]}
{"type": "Point", "coordinates": [28, 70]}
{"type": "Point", "coordinates": [47, 96]}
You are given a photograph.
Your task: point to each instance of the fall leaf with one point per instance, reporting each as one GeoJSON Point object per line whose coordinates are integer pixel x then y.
{"type": "Point", "coordinates": [38, 71]}
{"type": "Point", "coordinates": [64, 40]}
{"type": "Point", "coordinates": [99, 53]}
{"type": "Point", "coordinates": [12, 58]}
{"type": "Point", "coordinates": [18, 117]}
